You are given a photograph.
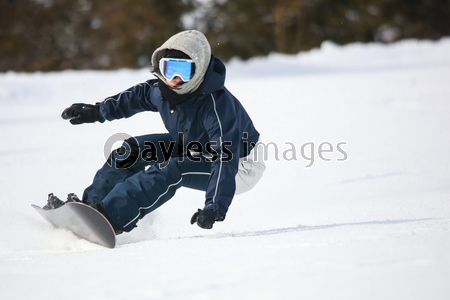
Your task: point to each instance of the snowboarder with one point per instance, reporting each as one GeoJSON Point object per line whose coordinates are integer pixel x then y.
{"type": "Point", "coordinates": [210, 144]}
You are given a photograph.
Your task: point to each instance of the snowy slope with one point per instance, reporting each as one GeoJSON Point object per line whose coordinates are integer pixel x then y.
{"type": "Point", "coordinates": [374, 226]}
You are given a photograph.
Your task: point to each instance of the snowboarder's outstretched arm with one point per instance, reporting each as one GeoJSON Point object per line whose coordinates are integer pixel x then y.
{"type": "Point", "coordinates": [123, 105]}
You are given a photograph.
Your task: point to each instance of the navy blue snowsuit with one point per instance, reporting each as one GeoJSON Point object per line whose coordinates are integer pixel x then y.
{"type": "Point", "coordinates": [213, 115]}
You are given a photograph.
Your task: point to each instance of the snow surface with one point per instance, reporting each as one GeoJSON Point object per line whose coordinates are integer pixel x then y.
{"type": "Point", "coordinates": [375, 226]}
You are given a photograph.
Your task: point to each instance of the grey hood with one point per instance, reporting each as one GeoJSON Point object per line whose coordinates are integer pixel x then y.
{"type": "Point", "coordinates": [194, 44]}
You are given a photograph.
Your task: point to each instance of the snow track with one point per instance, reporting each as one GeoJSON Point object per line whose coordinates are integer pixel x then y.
{"type": "Point", "coordinates": [375, 226]}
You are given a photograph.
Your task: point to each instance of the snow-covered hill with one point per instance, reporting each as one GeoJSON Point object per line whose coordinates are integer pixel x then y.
{"type": "Point", "coordinates": [355, 204]}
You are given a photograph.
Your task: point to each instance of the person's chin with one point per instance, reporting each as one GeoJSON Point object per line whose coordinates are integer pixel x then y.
{"type": "Point", "coordinates": [176, 87]}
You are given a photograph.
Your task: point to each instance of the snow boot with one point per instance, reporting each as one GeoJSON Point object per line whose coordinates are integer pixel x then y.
{"type": "Point", "coordinates": [53, 202]}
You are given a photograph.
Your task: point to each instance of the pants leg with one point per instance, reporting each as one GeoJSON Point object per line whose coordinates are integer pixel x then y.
{"type": "Point", "coordinates": [142, 193]}
{"type": "Point", "coordinates": [251, 169]}
{"type": "Point", "coordinates": [117, 169]}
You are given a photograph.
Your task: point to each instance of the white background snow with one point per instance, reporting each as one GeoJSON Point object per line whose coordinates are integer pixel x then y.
{"type": "Point", "coordinates": [376, 226]}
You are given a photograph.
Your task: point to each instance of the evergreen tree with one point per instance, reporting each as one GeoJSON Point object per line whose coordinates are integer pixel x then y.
{"type": "Point", "coordinates": [82, 34]}
{"type": "Point", "coordinates": [87, 34]}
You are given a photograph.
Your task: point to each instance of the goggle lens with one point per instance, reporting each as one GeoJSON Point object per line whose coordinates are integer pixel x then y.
{"type": "Point", "coordinates": [171, 67]}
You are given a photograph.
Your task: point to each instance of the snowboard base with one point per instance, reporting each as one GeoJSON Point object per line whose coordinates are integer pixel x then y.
{"type": "Point", "coordinates": [83, 220]}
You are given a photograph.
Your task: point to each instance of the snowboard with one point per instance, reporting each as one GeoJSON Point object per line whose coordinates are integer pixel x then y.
{"type": "Point", "coordinates": [83, 220]}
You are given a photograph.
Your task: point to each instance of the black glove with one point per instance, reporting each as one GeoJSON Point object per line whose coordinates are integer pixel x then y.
{"type": "Point", "coordinates": [206, 218]}
{"type": "Point", "coordinates": [80, 113]}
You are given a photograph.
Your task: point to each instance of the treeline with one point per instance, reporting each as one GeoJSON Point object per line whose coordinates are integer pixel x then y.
{"type": "Point", "coordinates": [86, 34]}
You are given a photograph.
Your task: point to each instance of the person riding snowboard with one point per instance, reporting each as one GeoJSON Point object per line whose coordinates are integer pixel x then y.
{"type": "Point", "coordinates": [210, 145]}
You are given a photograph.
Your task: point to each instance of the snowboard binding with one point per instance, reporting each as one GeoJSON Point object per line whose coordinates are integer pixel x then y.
{"type": "Point", "coordinates": [53, 202]}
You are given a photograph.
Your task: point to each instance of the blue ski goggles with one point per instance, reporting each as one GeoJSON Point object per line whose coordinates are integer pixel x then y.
{"type": "Point", "coordinates": [171, 67]}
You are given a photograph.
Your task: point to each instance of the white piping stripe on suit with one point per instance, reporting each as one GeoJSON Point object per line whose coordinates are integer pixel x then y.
{"type": "Point", "coordinates": [220, 139]}
{"type": "Point", "coordinates": [173, 184]}
{"type": "Point", "coordinates": [120, 95]}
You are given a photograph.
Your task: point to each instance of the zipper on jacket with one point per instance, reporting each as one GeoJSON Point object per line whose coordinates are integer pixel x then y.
{"type": "Point", "coordinates": [182, 142]}
{"type": "Point", "coordinates": [185, 136]}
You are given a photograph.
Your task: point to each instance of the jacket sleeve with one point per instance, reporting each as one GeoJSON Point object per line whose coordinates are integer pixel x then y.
{"type": "Point", "coordinates": [129, 102]}
{"type": "Point", "coordinates": [220, 121]}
